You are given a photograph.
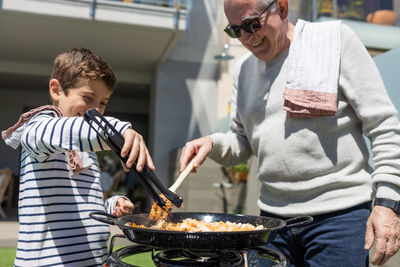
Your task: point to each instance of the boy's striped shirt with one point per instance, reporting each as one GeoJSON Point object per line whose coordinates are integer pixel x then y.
{"type": "Point", "coordinates": [54, 205]}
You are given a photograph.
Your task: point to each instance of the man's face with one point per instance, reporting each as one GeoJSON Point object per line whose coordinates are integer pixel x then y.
{"type": "Point", "coordinates": [268, 41]}
{"type": "Point", "coordinates": [89, 94]}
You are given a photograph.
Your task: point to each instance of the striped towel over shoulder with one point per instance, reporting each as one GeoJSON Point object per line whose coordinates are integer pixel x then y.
{"type": "Point", "coordinates": [313, 70]}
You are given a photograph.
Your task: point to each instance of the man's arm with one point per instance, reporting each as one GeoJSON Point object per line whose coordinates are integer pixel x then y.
{"type": "Point", "coordinates": [364, 88]}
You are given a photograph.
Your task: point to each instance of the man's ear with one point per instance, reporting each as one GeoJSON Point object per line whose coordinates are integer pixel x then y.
{"type": "Point", "coordinates": [55, 90]}
{"type": "Point", "coordinates": [283, 6]}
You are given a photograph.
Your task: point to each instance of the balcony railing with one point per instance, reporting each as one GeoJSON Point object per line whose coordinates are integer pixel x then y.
{"type": "Point", "coordinates": [179, 10]}
{"type": "Point", "coordinates": [180, 4]}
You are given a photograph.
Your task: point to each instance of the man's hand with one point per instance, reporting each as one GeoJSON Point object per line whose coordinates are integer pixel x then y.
{"type": "Point", "coordinates": [197, 150]}
{"type": "Point", "coordinates": [135, 144]}
{"type": "Point", "coordinates": [123, 207]}
{"type": "Point", "coordinates": [384, 226]}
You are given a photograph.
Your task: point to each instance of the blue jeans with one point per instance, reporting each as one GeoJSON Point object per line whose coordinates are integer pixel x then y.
{"type": "Point", "coordinates": [332, 239]}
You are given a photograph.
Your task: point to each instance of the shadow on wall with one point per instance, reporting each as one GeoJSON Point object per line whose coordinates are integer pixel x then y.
{"type": "Point", "coordinates": [388, 64]}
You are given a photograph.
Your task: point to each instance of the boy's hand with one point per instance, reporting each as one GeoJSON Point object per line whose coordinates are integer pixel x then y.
{"type": "Point", "coordinates": [135, 144]}
{"type": "Point", "coordinates": [123, 207]}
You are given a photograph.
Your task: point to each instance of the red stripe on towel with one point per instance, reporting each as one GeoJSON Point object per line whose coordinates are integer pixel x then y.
{"type": "Point", "coordinates": [309, 103]}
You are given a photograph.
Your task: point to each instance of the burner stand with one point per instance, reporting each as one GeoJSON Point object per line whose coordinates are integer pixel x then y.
{"type": "Point", "coordinates": [183, 257]}
{"type": "Point", "coordinates": [252, 257]}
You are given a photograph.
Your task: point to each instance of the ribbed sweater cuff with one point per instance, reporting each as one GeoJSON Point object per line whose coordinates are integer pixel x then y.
{"type": "Point", "coordinates": [386, 190]}
{"type": "Point", "coordinates": [217, 144]}
{"type": "Point", "coordinates": [111, 203]}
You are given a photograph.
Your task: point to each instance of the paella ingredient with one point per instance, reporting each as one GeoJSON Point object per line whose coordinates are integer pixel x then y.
{"type": "Point", "coordinates": [193, 225]}
{"type": "Point", "coordinates": [156, 212]}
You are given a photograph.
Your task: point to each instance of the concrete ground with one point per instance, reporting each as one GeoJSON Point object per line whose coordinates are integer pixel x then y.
{"type": "Point", "coordinates": [9, 232]}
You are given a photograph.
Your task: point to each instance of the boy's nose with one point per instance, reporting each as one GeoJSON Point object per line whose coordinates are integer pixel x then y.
{"type": "Point", "coordinates": [99, 109]}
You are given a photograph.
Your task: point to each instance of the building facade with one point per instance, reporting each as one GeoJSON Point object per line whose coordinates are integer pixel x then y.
{"type": "Point", "coordinates": [172, 85]}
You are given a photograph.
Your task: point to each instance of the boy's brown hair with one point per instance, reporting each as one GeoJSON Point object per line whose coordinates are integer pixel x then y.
{"type": "Point", "coordinates": [79, 64]}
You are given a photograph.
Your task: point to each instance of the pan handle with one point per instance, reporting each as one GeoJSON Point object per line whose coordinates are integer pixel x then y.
{"type": "Point", "coordinates": [299, 221]}
{"type": "Point", "coordinates": [109, 218]}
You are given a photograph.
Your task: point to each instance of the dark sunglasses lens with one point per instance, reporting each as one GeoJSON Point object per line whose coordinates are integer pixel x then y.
{"type": "Point", "coordinates": [255, 25]}
{"type": "Point", "coordinates": [251, 25]}
{"type": "Point", "coordinates": [233, 32]}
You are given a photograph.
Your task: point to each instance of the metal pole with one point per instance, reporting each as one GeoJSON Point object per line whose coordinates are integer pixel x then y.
{"type": "Point", "coordinates": [93, 9]}
{"type": "Point", "coordinates": [188, 6]}
{"type": "Point", "coordinates": [187, 21]}
{"type": "Point", "coordinates": [334, 8]}
{"type": "Point", "coordinates": [224, 200]}
{"type": "Point", "coordinates": [314, 6]}
{"type": "Point", "coordinates": [177, 12]}
{"type": "Point", "coordinates": [177, 15]}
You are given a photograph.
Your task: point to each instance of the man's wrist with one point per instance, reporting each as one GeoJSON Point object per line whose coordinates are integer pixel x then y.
{"type": "Point", "coordinates": [389, 203]}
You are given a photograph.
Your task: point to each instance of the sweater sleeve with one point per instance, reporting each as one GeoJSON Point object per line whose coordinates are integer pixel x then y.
{"type": "Point", "coordinates": [111, 203]}
{"type": "Point", "coordinates": [233, 147]}
{"type": "Point", "coordinates": [45, 135]}
{"type": "Point", "coordinates": [364, 88]}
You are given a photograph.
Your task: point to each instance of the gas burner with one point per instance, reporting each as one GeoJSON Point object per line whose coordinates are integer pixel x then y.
{"type": "Point", "coordinates": [252, 257]}
{"type": "Point", "coordinates": [183, 257]}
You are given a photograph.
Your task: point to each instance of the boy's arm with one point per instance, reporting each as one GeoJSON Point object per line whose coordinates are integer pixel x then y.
{"type": "Point", "coordinates": [118, 206]}
{"type": "Point", "coordinates": [45, 135]}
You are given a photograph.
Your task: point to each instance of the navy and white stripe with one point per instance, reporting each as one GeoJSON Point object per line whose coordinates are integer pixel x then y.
{"type": "Point", "coordinates": [55, 227]}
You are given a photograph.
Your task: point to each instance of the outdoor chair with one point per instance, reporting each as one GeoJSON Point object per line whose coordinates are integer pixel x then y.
{"type": "Point", "coordinates": [6, 182]}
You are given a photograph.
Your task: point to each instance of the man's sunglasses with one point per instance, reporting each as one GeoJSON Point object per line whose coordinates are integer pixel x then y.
{"type": "Point", "coordinates": [249, 24]}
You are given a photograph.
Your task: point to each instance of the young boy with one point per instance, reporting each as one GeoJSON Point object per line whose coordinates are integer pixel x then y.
{"type": "Point", "coordinates": [59, 177]}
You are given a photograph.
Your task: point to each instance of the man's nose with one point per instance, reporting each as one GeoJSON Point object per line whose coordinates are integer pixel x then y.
{"type": "Point", "coordinates": [245, 35]}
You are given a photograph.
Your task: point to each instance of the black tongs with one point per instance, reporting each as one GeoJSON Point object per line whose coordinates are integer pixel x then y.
{"type": "Point", "coordinates": [147, 178]}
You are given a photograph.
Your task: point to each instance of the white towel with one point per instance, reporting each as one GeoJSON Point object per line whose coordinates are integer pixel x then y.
{"type": "Point", "coordinates": [313, 70]}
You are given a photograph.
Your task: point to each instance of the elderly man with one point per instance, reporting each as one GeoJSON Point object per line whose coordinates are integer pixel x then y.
{"type": "Point", "coordinates": [301, 102]}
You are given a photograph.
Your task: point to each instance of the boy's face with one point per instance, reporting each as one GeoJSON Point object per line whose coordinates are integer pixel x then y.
{"type": "Point", "coordinates": [90, 94]}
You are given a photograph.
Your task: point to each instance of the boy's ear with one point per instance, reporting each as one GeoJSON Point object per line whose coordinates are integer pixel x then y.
{"type": "Point", "coordinates": [55, 90]}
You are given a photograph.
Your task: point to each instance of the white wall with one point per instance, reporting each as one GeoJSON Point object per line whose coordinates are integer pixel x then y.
{"type": "Point", "coordinates": [184, 95]}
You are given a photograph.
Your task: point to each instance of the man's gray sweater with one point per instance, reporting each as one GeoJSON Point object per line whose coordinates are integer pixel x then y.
{"type": "Point", "coordinates": [314, 165]}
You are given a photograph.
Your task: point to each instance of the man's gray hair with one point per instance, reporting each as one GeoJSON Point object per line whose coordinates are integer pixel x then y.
{"type": "Point", "coordinates": [265, 3]}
